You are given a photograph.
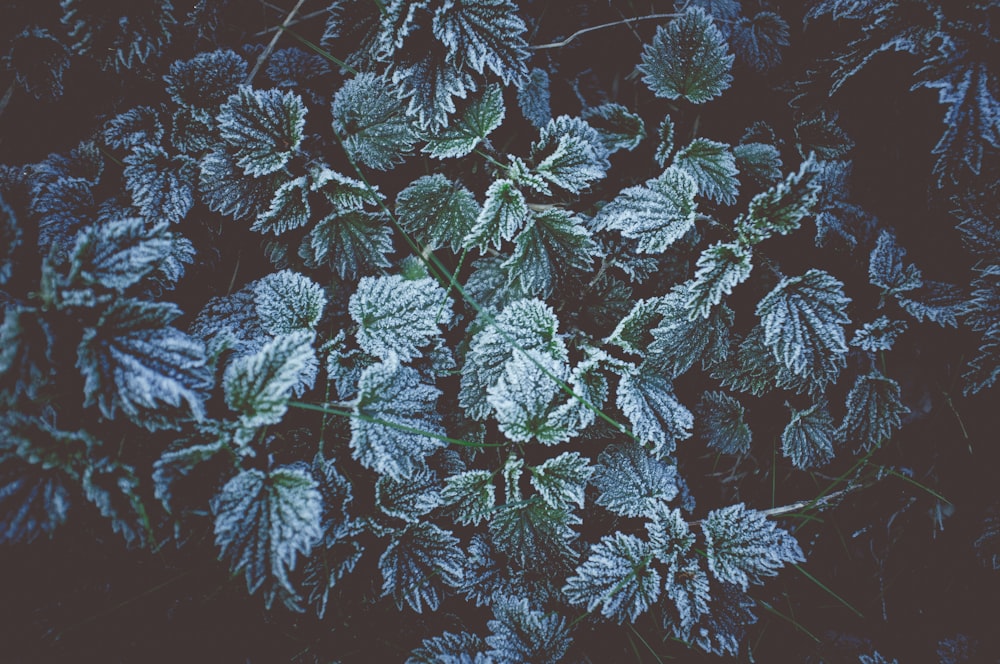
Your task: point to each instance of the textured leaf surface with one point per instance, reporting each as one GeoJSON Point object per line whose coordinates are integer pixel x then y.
{"type": "Point", "coordinates": [742, 546]}
{"type": "Point", "coordinates": [657, 417]}
{"type": "Point", "coordinates": [617, 577]}
{"type": "Point", "coordinates": [466, 130]}
{"type": "Point", "coordinates": [720, 423]}
{"type": "Point", "coordinates": [417, 562]}
{"type": "Point", "coordinates": [720, 268]}
{"type": "Point", "coordinates": [372, 123]}
{"type": "Point", "coordinates": [808, 438]}
{"type": "Point", "coordinates": [688, 59]}
{"type": "Point", "coordinates": [264, 127]}
{"type": "Point", "coordinates": [264, 520]}
{"type": "Point", "coordinates": [713, 167]}
{"type": "Point", "coordinates": [504, 213]}
{"type": "Point", "coordinates": [631, 482]}
{"type": "Point", "coordinates": [437, 211]}
{"type": "Point", "coordinates": [873, 411]}
{"type": "Point", "coordinates": [520, 633]}
{"type": "Point", "coordinates": [393, 413]}
{"type": "Point", "coordinates": [396, 316]}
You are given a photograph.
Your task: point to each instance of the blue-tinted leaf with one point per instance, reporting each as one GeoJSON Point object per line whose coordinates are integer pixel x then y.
{"type": "Point", "coordinates": [397, 317]}
{"type": "Point", "coordinates": [619, 128]}
{"type": "Point", "coordinates": [553, 243]}
{"type": "Point", "coordinates": [759, 40]}
{"type": "Point", "coordinates": [410, 498]}
{"type": "Point", "coordinates": [473, 124]}
{"type": "Point", "coordinates": [713, 168]}
{"type": "Point", "coordinates": [533, 97]}
{"type": "Point", "coordinates": [617, 577]}
{"type": "Point", "coordinates": [436, 211]}
{"type": "Point", "coordinates": [289, 208]}
{"type": "Point", "coordinates": [503, 214]}
{"type": "Point", "coordinates": [519, 634]}
{"type": "Point", "coordinates": [484, 33]}
{"type": "Point", "coordinates": [206, 80]}
{"type": "Point", "coordinates": [287, 301]}
{"type": "Point", "coordinates": [720, 423]}
{"type": "Point", "coordinates": [471, 496]}
{"type": "Point", "coordinates": [121, 253]}
{"type": "Point", "coordinates": [264, 128]}
{"type": "Point", "coordinates": [631, 482]}
{"type": "Point", "coordinates": [688, 59]}
{"type": "Point", "coordinates": [263, 520]}
{"type": "Point", "coordinates": [161, 187]}
{"type": "Point", "coordinates": [742, 546]}
{"type": "Point", "coordinates": [721, 267]}
{"type": "Point", "coordinates": [657, 418]}
{"type": "Point", "coordinates": [561, 480]}
{"type": "Point", "coordinates": [351, 243]}
{"type": "Point", "coordinates": [418, 560]}
{"type": "Point", "coordinates": [371, 122]}
{"type": "Point", "coordinates": [873, 411]}
{"type": "Point", "coordinates": [808, 438]}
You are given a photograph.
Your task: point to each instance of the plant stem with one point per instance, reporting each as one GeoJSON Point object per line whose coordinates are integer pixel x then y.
{"type": "Point", "coordinates": [578, 33]}
{"type": "Point", "coordinates": [274, 40]}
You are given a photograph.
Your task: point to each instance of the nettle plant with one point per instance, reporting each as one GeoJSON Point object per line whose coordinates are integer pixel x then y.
{"type": "Point", "coordinates": [476, 356]}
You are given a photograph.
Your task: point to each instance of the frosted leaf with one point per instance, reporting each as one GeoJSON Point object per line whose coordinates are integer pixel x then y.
{"type": "Point", "coordinates": [617, 577]}
{"type": "Point", "coordinates": [419, 560]}
{"type": "Point", "coordinates": [665, 146]}
{"type": "Point", "coordinates": [410, 498]}
{"type": "Point", "coordinates": [449, 648]}
{"type": "Point", "coordinates": [534, 99]}
{"type": "Point", "coordinates": [351, 243]}
{"type": "Point", "coordinates": [760, 161]}
{"type": "Point", "coordinates": [225, 189]}
{"type": "Point", "coordinates": [519, 633]}
{"type": "Point", "coordinates": [720, 423]}
{"type": "Point", "coordinates": [619, 128]}
{"type": "Point", "coordinates": [632, 332]}
{"type": "Point", "coordinates": [873, 411]}
{"type": "Point", "coordinates": [878, 335]}
{"type": "Point", "coordinates": [258, 386]}
{"type": "Point", "coordinates": [781, 208]}
{"type": "Point", "coordinates": [803, 319]}
{"type": "Point", "coordinates": [678, 341]}
{"type": "Point", "coordinates": [436, 211]}
{"type": "Point", "coordinates": [264, 520]}
{"type": "Point", "coordinates": [207, 80]}
{"type": "Point", "coordinates": [561, 480]}
{"type": "Point", "coordinates": [758, 41]}
{"type": "Point", "coordinates": [569, 154]}
{"type": "Point", "coordinates": [688, 59]}
{"type": "Point", "coordinates": [134, 360]}
{"type": "Point", "coordinates": [484, 33]}
{"type": "Point", "coordinates": [742, 546]}
{"type": "Point", "coordinates": [656, 214]}
{"type": "Point", "coordinates": [522, 398]}
{"type": "Point", "coordinates": [371, 122]}
{"type": "Point", "coordinates": [395, 424]}
{"type": "Point", "coordinates": [657, 418]}
{"type": "Point", "coordinates": [135, 127]}
{"type": "Point", "coordinates": [342, 193]}
{"type": "Point", "coordinates": [503, 214]}
{"type": "Point", "coordinates": [119, 254]}
{"type": "Point", "coordinates": [713, 168]}
{"type": "Point", "coordinates": [720, 268]}
{"type": "Point", "coordinates": [471, 496]}
{"type": "Point", "coordinates": [631, 482]}
{"type": "Point", "coordinates": [887, 270]}
{"type": "Point", "coordinates": [670, 537]}
{"type": "Point", "coordinates": [935, 301]}
{"type": "Point", "coordinates": [430, 81]}
{"type": "Point", "coordinates": [526, 325]}
{"type": "Point", "coordinates": [808, 438]}
{"type": "Point", "coordinates": [289, 208]}
{"type": "Point", "coordinates": [469, 127]}
{"type": "Point", "coordinates": [397, 317]}
{"type": "Point", "coordinates": [287, 301]}
{"type": "Point", "coordinates": [264, 128]}
{"type": "Point", "coordinates": [553, 243]}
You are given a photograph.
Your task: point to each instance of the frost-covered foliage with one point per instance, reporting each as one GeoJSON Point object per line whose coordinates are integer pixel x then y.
{"type": "Point", "coordinates": [409, 327]}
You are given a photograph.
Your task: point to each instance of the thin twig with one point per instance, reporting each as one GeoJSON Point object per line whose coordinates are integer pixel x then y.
{"type": "Point", "coordinates": [300, 19]}
{"type": "Point", "coordinates": [274, 40]}
{"type": "Point", "coordinates": [578, 33]}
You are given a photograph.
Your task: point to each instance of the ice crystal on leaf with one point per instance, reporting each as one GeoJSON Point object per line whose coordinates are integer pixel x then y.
{"type": "Point", "coordinates": [743, 546]}
{"type": "Point", "coordinates": [264, 128]}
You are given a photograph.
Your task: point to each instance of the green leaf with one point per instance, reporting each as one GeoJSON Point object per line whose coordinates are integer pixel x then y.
{"type": "Point", "coordinates": [522, 398]}
{"type": "Point", "coordinates": [437, 211]}
{"type": "Point", "coordinates": [657, 418]}
{"type": "Point", "coordinates": [713, 168]}
{"type": "Point", "coordinates": [395, 424]}
{"type": "Point", "coordinates": [397, 317]}
{"type": "Point", "coordinates": [687, 59]}
{"type": "Point", "coordinates": [760, 161]}
{"type": "Point", "coordinates": [289, 208]}
{"type": "Point", "coordinates": [371, 122]}
{"type": "Point", "coordinates": [484, 33]}
{"type": "Point", "coordinates": [742, 546]}
{"type": "Point", "coordinates": [632, 332]}
{"type": "Point", "coordinates": [553, 243]}
{"type": "Point", "coordinates": [469, 128]}
{"type": "Point", "coordinates": [808, 438]}
{"type": "Point", "coordinates": [803, 319]}
{"type": "Point", "coordinates": [504, 213]}
{"type": "Point", "coordinates": [619, 128]}
{"type": "Point", "coordinates": [569, 154]}
{"type": "Point", "coordinates": [720, 268]}
{"type": "Point", "coordinates": [419, 560]}
{"type": "Point", "coordinates": [264, 128]}
{"type": "Point", "coordinates": [617, 577]}
{"type": "Point", "coordinates": [873, 411]}
{"type": "Point", "coordinates": [781, 208]}
{"type": "Point", "coordinates": [665, 146]}
{"type": "Point", "coordinates": [679, 341]}
{"type": "Point", "coordinates": [720, 423]}
{"type": "Point", "coordinates": [631, 482]}
{"type": "Point", "coordinates": [670, 537]}
{"type": "Point", "coordinates": [342, 193]}
{"type": "Point", "coordinates": [527, 325]}
{"type": "Point", "coordinates": [471, 496]}
{"type": "Point", "coordinates": [410, 498]}
{"type": "Point", "coordinates": [561, 480]}
{"type": "Point", "coordinates": [262, 520]}
{"type": "Point", "coordinates": [656, 214]}
{"type": "Point", "coordinates": [287, 301]}
{"type": "Point", "coordinates": [258, 386]}
{"type": "Point", "coordinates": [351, 243]}
{"type": "Point", "coordinates": [533, 533]}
